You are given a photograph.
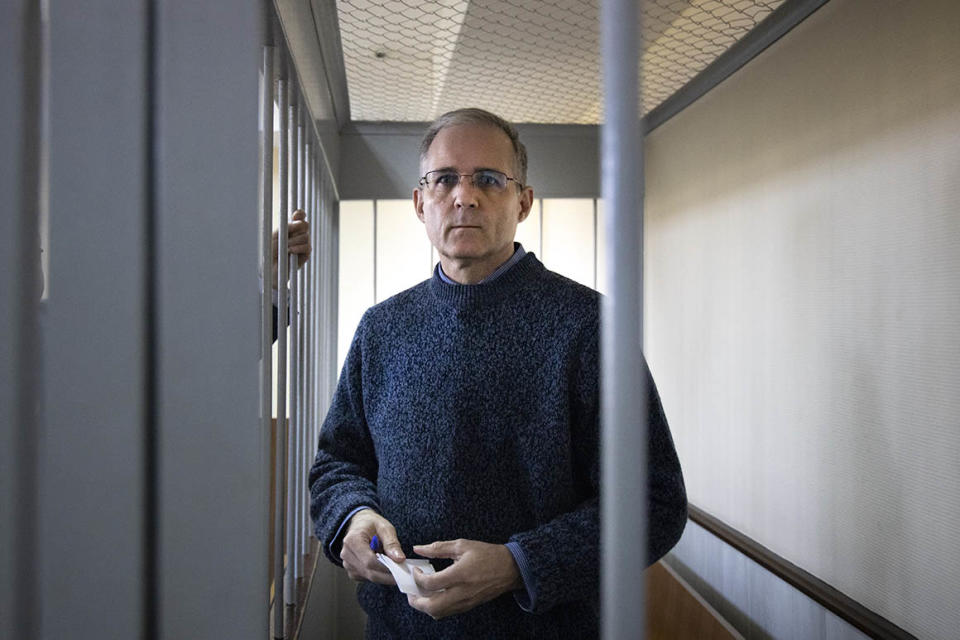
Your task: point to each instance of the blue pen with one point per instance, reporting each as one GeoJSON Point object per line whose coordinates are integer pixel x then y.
{"type": "Point", "coordinates": [375, 544]}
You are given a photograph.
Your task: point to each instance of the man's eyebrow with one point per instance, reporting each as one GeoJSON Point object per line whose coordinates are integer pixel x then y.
{"type": "Point", "coordinates": [455, 170]}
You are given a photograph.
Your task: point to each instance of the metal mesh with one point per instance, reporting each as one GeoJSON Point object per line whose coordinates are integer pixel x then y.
{"type": "Point", "coordinates": [528, 61]}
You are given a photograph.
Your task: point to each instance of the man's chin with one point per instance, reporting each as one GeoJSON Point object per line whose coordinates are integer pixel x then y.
{"type": "Point", "coordinates": [466, 252]}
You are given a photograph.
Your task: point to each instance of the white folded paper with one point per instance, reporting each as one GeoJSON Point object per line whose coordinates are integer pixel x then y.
{"type": "Point", "coordinates": [403, 572]}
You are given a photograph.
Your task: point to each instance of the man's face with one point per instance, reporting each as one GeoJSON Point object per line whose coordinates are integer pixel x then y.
{"type": "Point", "coordinates": [468, 224]}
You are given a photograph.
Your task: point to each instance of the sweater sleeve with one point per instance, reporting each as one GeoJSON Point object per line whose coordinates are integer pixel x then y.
{"type": "Point", "coordinates": [344, 471]}
{"type": "Point", "coordinates": [563, 555]}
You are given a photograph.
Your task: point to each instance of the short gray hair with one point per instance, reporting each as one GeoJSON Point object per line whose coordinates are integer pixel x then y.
{"type": "Point", "coordinates": [478, 116]}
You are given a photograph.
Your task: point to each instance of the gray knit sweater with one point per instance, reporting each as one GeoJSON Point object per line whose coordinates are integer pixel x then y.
{"type": "Point", "coordinates": [472, 412]}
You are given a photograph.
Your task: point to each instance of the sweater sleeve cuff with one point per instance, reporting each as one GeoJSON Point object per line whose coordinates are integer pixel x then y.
{"type": "Point", "coordinates": [337, 541]}
{"type": "Point", "coordinates": [526, 598]}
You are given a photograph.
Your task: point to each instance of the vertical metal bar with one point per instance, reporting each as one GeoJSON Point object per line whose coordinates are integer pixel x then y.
{"type": "Point", "coordinates": [330, 285]}
{"type": "Point", "coordinates": [334, 279]}
{"type": "Point", "coordinates": [324, 241]}
{"type": "Point", "coordinates": [624, 441]}
{"type": "Point", "coordinates": [304, 328]}
{"type": "Point", "coordinates": [305, 401]}
{"type": "Point", "coordinates": [279, 535]}
{"type": "Point", "coordinates": [301, 387]}
{"type": "Point", "coordinates": [315, 230]}
{"type": "Point", "coordinates": [21, 135]}
{"type": "Point", "coordinates": [311, 317]}
{"type": "Point", "coordinates": [321, 293]}
{"type": "Point", "coordinates": [330, 328]}
{"type": "Point", "coordinates": [301, 351]}
{"type": "Point", "coordinates": [289, 591]}
{"type": "Point", "coordinates": [266, 228]}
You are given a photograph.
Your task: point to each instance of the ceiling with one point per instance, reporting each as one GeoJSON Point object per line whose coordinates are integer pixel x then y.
{"type": "Point", "coordinates": [527, 61]}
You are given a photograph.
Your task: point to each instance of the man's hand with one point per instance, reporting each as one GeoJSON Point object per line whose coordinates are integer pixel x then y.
{"type": "Point", "coordinates": [298, 241]}
{"type": "Point", "coordinates": [358, 558]}
{"type": "Point", "coordinates": [480, 572]}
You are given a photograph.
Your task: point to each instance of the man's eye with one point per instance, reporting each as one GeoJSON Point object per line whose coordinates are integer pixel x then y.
{"type": "Point", "coordinates": [487, 179]}
{"type": "Point", "coordinates": [447, 180]}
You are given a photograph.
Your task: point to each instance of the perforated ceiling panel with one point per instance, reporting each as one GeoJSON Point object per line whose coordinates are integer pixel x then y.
{"type": "Point", "coordinates": [528, 61]}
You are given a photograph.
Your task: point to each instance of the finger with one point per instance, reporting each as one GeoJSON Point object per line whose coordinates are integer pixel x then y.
{"type": "Point", "coordinates": [431, 582]}
{"type": "Point", "coordinates": [438, 605]}
{"type": "Point", "coordinates": [388, 537]}
{"type": "Point", "coordinates": [299, 214]}
{"type": "Point", "coordinates": [421, 604]}
{"type": "Point", "coordinates": [299, 238]}
{"type": "Point", "coordinates": [418, 603]}
{"type": "Point", "coordinates": [439, 549]}
{"type": "Point", "coordinates": [363, 565]}
{"type": "Point", "coordinates": [301, 226]}
{"type": "Point", "coordinates": [379, 574]}
{"type": "Point", "coordinates": [298, 241]}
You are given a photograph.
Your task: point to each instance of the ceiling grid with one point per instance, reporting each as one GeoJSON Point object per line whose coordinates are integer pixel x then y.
{"type": "Point", "coordinates": [528, 61]}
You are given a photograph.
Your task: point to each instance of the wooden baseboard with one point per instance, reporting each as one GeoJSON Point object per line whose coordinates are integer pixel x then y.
{"type": "Point", "coordinates": [677, 612]}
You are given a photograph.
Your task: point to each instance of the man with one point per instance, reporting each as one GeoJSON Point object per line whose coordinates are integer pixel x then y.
{"type": "Point", "coordinates": [464, 428]}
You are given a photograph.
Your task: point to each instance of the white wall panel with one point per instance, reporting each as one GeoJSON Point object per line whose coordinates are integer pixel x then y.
{"type": "Point", "coordinates": [602, 285]}
{"type": "Point", "coordinates": [803, 269]}
{"type": "Point", "coordinates": [568, 234]}
{"type": "Point", "coordinates": [528, 231]}
{"type": "Point", "coordinates": [356, 270]}
{"type": "Point", "coordinates": [403, 249]}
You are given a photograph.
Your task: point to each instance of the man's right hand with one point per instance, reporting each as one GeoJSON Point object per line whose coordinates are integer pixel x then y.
{"type": "Point", "coordinates": [358, 558]}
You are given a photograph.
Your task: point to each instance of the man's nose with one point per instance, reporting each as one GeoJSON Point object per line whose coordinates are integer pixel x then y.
{"type": "Point", "coordinates": [465, 193]}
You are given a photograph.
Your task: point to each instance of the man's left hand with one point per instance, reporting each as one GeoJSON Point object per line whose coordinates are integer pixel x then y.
{"type": "Point", "coordinates": [480, 572]}
{"type": "Point", "coordinates": [298, 242]}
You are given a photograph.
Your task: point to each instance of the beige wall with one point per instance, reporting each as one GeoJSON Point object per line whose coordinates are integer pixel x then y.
{"type": "Point", "coordinates": [803, 301]}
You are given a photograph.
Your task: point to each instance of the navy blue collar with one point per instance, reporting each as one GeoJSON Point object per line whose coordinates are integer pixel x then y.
{"type": "Point", "coordinates": [518, 253]}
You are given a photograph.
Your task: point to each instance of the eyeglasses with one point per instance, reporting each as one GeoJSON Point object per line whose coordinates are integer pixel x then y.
{"type": "Point", "coordinates": [442, 181]}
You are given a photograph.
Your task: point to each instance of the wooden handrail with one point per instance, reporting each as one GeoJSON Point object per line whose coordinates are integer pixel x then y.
{"type": "Point", "coordinates": [871, 623]}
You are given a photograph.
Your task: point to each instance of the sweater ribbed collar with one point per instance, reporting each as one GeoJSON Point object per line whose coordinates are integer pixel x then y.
{"type": "Point", "coordinates": [461, 295]}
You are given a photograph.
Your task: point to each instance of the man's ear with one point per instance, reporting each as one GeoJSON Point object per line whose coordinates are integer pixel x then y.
{"type": "Point", "coordinates": [526, 203]}
{"type": "Point", "coordinates": [418, 203]}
